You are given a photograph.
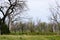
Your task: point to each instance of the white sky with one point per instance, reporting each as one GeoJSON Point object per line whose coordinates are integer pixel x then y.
{"type": "Point", "coordinates": [39, 9]}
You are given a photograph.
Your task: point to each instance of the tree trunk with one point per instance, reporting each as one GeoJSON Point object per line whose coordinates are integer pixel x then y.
{"type": "Point", "coordinates": [54, 28]}
{"type": "Point", "coordinates": [4, 27]}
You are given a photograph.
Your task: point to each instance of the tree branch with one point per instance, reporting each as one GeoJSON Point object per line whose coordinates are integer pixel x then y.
{"type": "Point", "coordinates": [1, 11]}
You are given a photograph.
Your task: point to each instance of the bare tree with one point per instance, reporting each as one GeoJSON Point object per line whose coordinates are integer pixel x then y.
{"type": "Point", "coordinates": [12, 7]}
{"type": "Point", "coordinates": [55, 18]}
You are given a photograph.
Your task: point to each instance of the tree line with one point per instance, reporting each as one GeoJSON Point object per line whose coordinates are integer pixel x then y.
{"type": "Point", "coordinates": [39, 28]}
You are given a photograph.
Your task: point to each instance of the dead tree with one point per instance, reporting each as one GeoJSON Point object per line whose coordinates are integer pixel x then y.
{"type": "Point", "coordinates": [55, 18]}
{"type": "Point", "coordinates": [11, 7]}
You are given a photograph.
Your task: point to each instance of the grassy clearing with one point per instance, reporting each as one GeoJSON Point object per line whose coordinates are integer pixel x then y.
{"type": "Point", "coordinates": [29, 37]}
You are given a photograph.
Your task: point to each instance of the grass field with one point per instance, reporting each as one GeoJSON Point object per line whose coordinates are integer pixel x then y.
{"type": "Point", "coordinates": [29, 37]}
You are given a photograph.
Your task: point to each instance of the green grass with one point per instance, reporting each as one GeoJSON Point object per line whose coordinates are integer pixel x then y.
{"type": "Point", "coordinates": [29, 37]}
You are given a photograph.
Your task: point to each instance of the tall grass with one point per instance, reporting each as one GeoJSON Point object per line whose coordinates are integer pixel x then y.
{"type": "Point", "coordinates": [29, 37]}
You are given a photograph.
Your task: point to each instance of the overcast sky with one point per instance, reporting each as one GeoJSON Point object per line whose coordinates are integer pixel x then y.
{"type": "Point", "coordinates": [39, 9]}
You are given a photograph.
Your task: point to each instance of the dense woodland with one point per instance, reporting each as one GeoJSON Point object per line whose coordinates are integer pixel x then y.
{"type": "Point", "coordinates": [10, 22]}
